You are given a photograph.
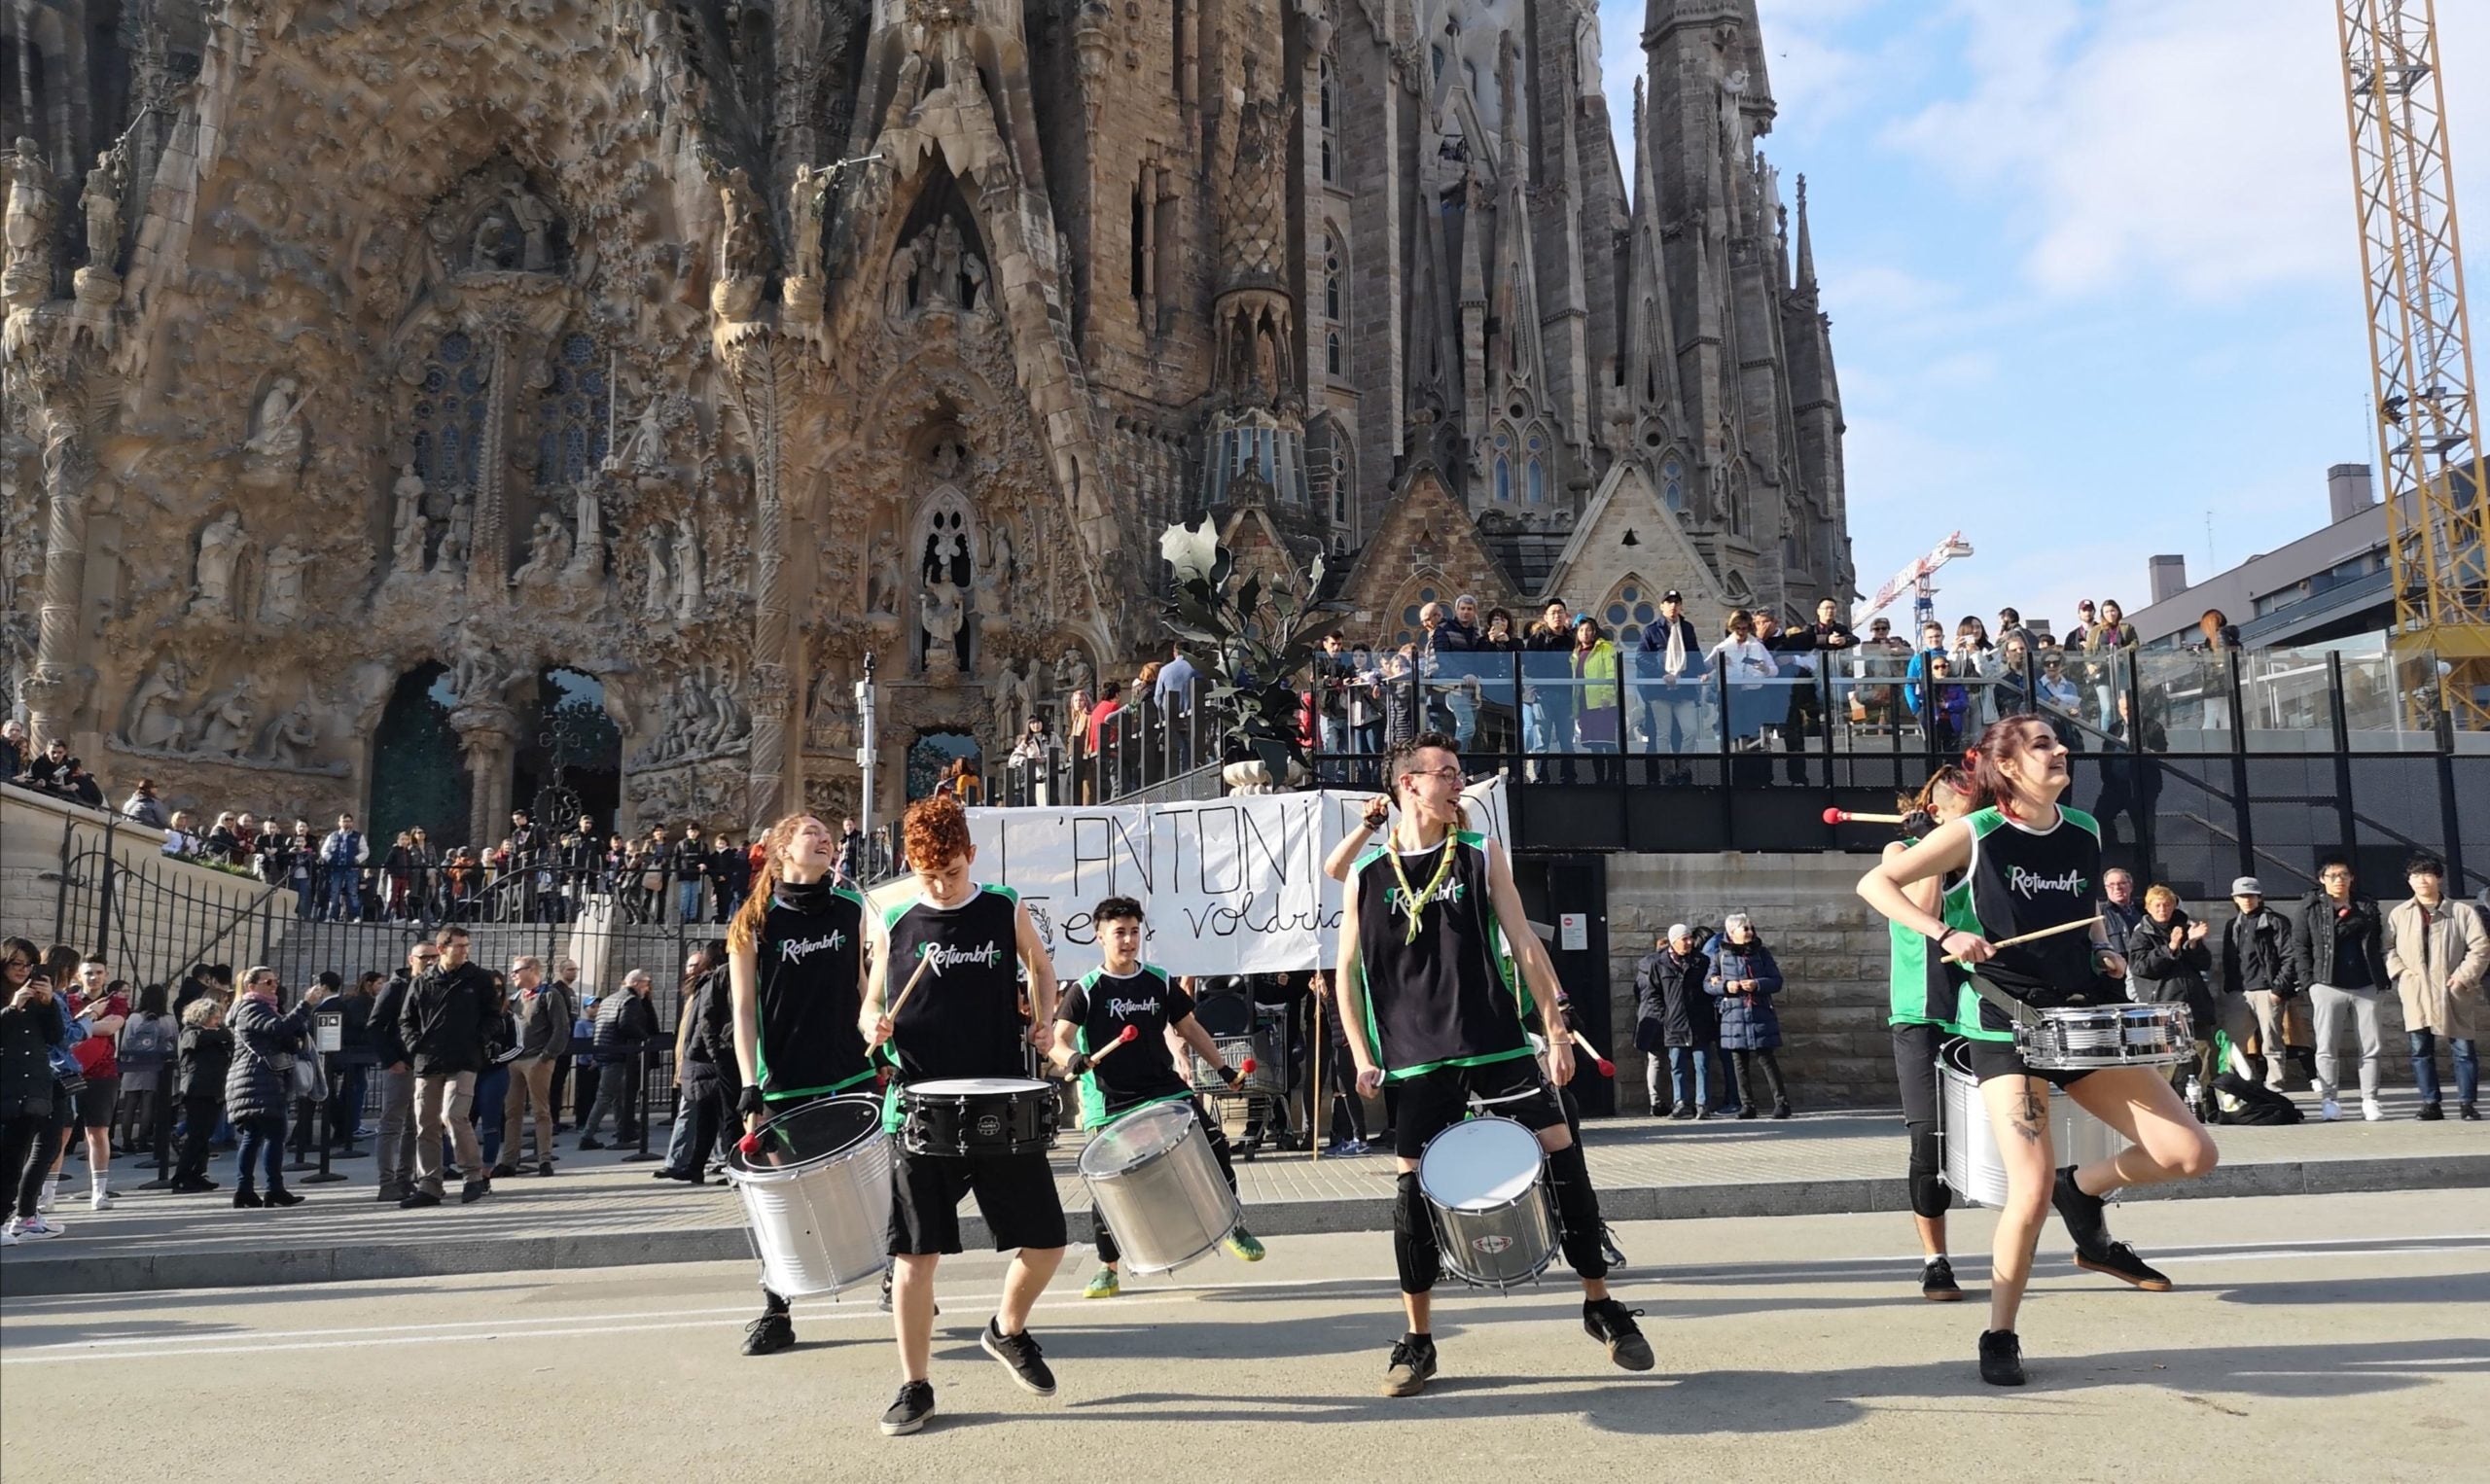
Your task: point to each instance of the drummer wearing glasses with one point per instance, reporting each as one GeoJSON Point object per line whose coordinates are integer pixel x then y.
{"type": "Point", "coordinates": [1126, 995]}
{"type": "Point", "coordinates": [1426, 918]}
{"type": "Point", "coordinates": [2032, 866]}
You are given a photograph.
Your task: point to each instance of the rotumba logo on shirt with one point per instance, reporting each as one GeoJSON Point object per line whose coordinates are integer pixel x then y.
{"type": "Point", "coordinates": [2026, 884]}
{"type": "Point", "coordinates": [1450, 890]}
{"type": "Point", "coordinates": [940, 956]}
{"type": "Point", "coordinates": [1126, 1010]}
{"type": "Point", "coordinates": [798, 949]}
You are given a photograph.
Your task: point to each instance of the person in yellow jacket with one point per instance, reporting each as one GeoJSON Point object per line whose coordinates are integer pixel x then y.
{"type": "Point", "coordinates": [1602, 720]}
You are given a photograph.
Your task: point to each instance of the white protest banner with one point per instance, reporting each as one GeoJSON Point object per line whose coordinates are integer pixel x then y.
{"type": "Point", "coordinates": [1229, 885]}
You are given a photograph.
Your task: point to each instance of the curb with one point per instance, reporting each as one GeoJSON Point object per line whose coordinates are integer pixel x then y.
{"type": "Point", "coordinates": [55, 1272]}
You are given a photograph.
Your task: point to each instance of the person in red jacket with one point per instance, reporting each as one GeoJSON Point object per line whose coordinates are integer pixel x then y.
{"type": "Point", "coordinates": [99, 1062]}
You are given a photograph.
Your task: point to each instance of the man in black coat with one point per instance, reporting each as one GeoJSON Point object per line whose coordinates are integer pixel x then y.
{"type": "Point", "coordinates": [443, 1024]}
{"type": "Point", "coordinates": [729, 873]}
{"type": "Point", "coordinates": [1674, 1018]}
{"type": "Point", "coordinates": [2259, 973]}
{"type": "Point", "coordinates": [395, 1148]}
{"type": "Point", "coordinates": [626, 1021]}
{"type": "Point", "coordinates": [2341, 947]}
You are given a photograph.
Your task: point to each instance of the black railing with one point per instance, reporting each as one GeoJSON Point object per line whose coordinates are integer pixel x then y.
{"type": "Point", "coordinates": [1143, 749]}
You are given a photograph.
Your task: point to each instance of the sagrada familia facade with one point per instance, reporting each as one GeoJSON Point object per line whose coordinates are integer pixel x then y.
{"type": "Point", "coordinates": [420, 406]}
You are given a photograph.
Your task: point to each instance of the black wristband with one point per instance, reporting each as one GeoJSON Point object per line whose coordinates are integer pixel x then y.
{"type": "Point", "coordinates": [1230, 1076]}
{"type": "Point", "coordinates": [749, 1101]}
{"type": "Point", "coordinates": [1079, 1064]}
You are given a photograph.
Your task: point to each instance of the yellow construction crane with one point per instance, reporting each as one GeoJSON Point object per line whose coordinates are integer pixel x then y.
{"type": "Point", "coordinates": [2438, 518]}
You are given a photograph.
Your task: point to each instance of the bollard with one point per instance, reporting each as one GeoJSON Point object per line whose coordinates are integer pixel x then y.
{"type": "Point", "coordinates": [325, 1177]}
{"type": "Point", "coordinates": [643, 1154]}
{"type": "Point", "coordinates": [163, 1180]}
{"type": "Point", "coordinates": [302, 1115]}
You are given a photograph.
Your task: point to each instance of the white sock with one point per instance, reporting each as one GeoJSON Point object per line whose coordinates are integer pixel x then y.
{"type": "Point", "coordinates": [96, 1182]}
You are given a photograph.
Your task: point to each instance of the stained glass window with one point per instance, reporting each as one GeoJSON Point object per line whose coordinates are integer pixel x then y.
{"type": "Point", "coordinates": [449, 415]}
{"type": "Point", "coordinates": [571, 415]}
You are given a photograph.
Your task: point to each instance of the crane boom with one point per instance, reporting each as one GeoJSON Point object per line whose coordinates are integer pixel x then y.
{"type": "Point", "coordinates": [1914, 577]}
{"type": "Point", "coordinates": [2437, 521]}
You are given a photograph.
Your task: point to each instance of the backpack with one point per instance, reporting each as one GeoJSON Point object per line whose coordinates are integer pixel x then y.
{"type": "Point", "coordinates": [147, 1041]}
{"type": "Point", "coordinates": [2250, 1105]}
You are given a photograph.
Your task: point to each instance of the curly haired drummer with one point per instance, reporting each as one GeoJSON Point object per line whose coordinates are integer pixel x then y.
{"type": "Point", "coordinates": [963, 1021]}
{"type": "Point", "coordinates": [1127, 997]}
{"type": "Point", "coordinates": [795, 966]}
{"type": "Point", "coordinates": [1425, 919]}
{"type": "Point", "coordinates": [2031, 864]}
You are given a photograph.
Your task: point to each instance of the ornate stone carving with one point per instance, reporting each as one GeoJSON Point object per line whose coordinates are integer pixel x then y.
{"type": "Point", "coordinates": [941, 609]}
{"type": "Point", "coordinates": [101, 203]}
{"type": "Point", "coordinates": [225, 727]}
{"type": "Point", "coordinates": [220, 552]}
{"type": "Point", "coordinates": [154, 718]}
{"type": "Point", "coordinates": [549, 554]}
{"type": "Point", "coordinates": [273, 452]}
{"type": "Point", "coordinates": [407, 526]}
{"type": "Point", "coordinates": [31, 215]}
{"type": "Point", "coordinates": [690, 599]}
{"type": "Point", "coordinates": [281, 590]}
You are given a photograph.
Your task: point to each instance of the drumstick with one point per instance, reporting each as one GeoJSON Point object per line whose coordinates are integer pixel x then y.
{"type": "Point", "coordinates": [909, 988]}
{"type": "Point", "coordinates": [2008, 942]}
{"type": "Point", "coordinates": [1606, 1067]}
{"type": "Point", "coordinates": [1845, 817]}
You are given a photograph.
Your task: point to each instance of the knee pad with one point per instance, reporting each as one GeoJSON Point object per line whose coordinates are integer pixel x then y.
{"type": "Point", "coordinates": [1929, 1197]}
{"type": "Point", "coordinates": [1568, 1179]}
{"type": "Point", "coordinates": [1413, 1237]}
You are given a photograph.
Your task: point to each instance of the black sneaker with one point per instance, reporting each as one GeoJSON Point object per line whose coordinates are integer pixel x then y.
{"type": "Point", "coordinates": [2001, 1357]}
{"type": "Point", "coordinates": [505, 1170]}
{"type": "Point", "coordinates": [1747, 1110]}
{"type": "Point", "coordinates": [2084, 1214]}
{"type": "Point", "coordinates": [1937, 1282]}
{"type": "Point", "coordinates": [591, 1141]}
{"type": "Point", "coordinates": [416, 1200]}
{"type": "Point", "coordinates": [1612, 1324]}
{"type": "Point", "coordinates": [1781, 1109]}
{"type": "Point", "coordinates": [908, 1413]}
{"type": "Point", "coordinates": [773, 1332]}
{"type": "Point", "coordinates": [2119, 1262]}
{"type": "Point", "coordinates": [1681, 1111]}
{"type": "Point", "coordinates": [1412, 1366]}
{"type": "Point", "coordinates": [2431, 1113]}
{"type": "Point", "coordinates": [1020, 1355]}
{"type": "Point", "coordinates": [2468, 1112]}
{"type": "Point", "coordinates": [474, 1191]}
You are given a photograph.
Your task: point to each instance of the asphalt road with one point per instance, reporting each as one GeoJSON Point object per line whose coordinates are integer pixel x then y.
{"type": "Point", "coordinates": [2309, 1338]}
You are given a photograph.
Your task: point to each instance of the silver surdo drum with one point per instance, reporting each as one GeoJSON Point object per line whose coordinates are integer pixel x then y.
{"type": "Point", "coordinates": [1974, 1169]}
{"type": "Point", "coordinates": [816, 1187]}
{"type": "Point", "coordinates": [967, 1115]}
{"type": "Point", "coordinates": [1152, 1175]}
{"type": "Point", "coordinates": [1494, 1223]}
{"type": "Point", "coordinates": [2089, 1038]}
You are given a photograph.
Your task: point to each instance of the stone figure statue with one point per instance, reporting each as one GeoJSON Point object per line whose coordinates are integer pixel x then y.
{"type": "Point", "coordinates": [278, 437]}
{"type": "Point", "coordinates": [973, 268]}
{"type": "Point", "coordinates": [1073, 673]}
{"type": "Point", "coordinates": [31, 208]}
{"type": "Point", "coordinates": [226, 727]}
{"type": "Point", "coordinates": [901, 280]}
{"type": "Point", "coordinates": [548, 552]}
{"type": "Point", "coordinates": [646, 452]}
{"type": "Point", "coordinates": [942, 610]}
{"type": "Point", "coordinates": [101, 202]}
{"type": "Point", "coordinates": [480, 675]}
{"type": "Point", "coordinates": [727, 723]}
{"type": "Point", "coordinates": [451, 557]}
{"type": "Point", "coordinates": [652, 599]}
{"type": "Point", "coordinates": [884, 595]}
{"type": "Point", "coordinates": [535, 222]}
{"type": "Point", "coordinates": [1009, 697]}
{"type": "Point", "coordinates": [281, 594]}
{"type": "Point", "coordinates": [406, 523]}
{"type": "Point", "coordinates": [219, 552]}
{"type": "Point", "coordinates": [942, 282]}
{"type": "Point", "coordinates": [296, 733]}
{"type": "Point", "coordinates": [744, 241]}
{"type": "Point", "coordinates": [588, 548]}
{"type": "Point", "coordinates": [688, 597]}
{"type": "Point", "coordinates": [808, 200]}
{"type": "Point", "coordinates": [155, 716]}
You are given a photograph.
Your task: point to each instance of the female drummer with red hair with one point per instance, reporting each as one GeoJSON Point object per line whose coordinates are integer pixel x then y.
{"type": "Point", "coordinates": [795, 974]}
{"type": "Point", "coordinates": [2030, 865]}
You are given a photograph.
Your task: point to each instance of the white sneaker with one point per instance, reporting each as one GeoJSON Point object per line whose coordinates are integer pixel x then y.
{"type": "Point", "coordinates": [35, 1229]}
{"type": "Point", "coordinates": [51, 1194]}
{"type": "Point", "coordinates": [2329, 1109]}
{"type": "Point", "coordinates": [2373, 1110]}
{"type": "Point", "coordinates": [101, 1200]}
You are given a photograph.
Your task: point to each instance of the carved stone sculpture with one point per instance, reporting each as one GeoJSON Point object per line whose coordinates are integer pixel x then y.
{"type": "Point", "coordinates": [940, 283]}
{"type": "Point", "coordinates": [156, 718]}
{"type": "Point", "coordinates": [451, 559]}
{"type": "Point", "coordinates": [807, 200]}
{"type": "Point", "coordinates": [277, 437]}
{"type": "Point", "coordinates": [1073, 673]}
{"type": "Point", "coordinates": [548, 552]}
{"type": "Point", "coordinates": [225, 728]}
{"type": "Point", "coordinates": [647, 450]}
{"type": "Point", "coordinates": [743, 243]}
{"type": "Point", "coordinates": [690, 599]}
{"type": "Point", "coordinates": [942, 610]}
{"type": "Point", "coordinates": [101, 202]}
{"type": "Point", "coordinates": [294, 737]}
{"type": "Point", "coordinates": [219, 552]}
{"type": "Point", "coordinates": [1011, 702]}
{"type": "Point", "coordinates": [902, 280]}
{"type": "Point", "coordinates": [281, 594]}
{"type": "Point", "coordinates": [406, 524]}
{"type": "Point", "coordinates": [883, 596]}
{"type": "Point", "coordinates": [586, 567]}
{"type": "Point", "coordinates": [31, 210]}
{"type": "Point", "coordinates": [481, 674]}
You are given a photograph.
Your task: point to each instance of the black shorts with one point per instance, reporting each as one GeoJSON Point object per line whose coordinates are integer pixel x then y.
{"type": "Point", "coordinates": [1015, 1193]}
{"type": "Point", "coordinates": [1999, 1059]}
{"type": "Point", "coordinates": [1916, 1046]}
{"type": "Point", "coordinates": [1435, 1101]}
{"type": "Point", "coordinates": [95, 1102]}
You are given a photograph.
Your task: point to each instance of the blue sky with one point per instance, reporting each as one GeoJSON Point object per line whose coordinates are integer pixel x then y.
{"type": "Point", "coordinates": [2092, 271]}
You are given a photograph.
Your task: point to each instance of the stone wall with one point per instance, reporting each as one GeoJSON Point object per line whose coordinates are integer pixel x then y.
{"type": "Point", "coordinates": [166, 914]}
{"type": "Point", "coordinates": [1834, 956]}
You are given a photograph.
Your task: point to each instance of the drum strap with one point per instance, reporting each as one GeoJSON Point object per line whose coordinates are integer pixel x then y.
{"type": "Point", "coordinates": [2003, 1004]}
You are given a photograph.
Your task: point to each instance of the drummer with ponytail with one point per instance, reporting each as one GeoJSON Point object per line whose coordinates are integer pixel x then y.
{"type": "Point", "coordinates": [2031, 868]}
{"type": "Point", "coordinates": [795, 974]}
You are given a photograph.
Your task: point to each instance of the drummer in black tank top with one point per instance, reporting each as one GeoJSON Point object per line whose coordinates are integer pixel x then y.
{"type": "Point", "coordinates": [1426, 921]}
{"type": "Point", "coordinates": [2031, 864]}
{"type": "Point", "coordinates": [975, 944]}
{"type": "Point", "coordinates": [795, 967]}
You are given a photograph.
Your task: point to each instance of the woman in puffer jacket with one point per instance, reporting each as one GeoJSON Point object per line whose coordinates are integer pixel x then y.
{"type": "Point", "coordinates": [256, 1089]}
{"type": "Point", "coordinates": [1744, 978]}
{"type": "Point", "coordinates": [2169, 961]}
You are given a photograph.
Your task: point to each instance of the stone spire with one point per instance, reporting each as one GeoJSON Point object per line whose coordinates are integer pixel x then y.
{"type": "Point", "coordinates": [1806, 286]}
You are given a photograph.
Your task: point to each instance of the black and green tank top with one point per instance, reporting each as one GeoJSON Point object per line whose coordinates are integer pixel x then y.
{"type": "Point", "coordinates": [1925, 990]}
{"type": "Point", "coordinates": [1100, 1006]}
{"type": "Point", "coordinates": [964, 1019]}
{"type": "Point", "coordinates": [808, 962]}
{"type": "Point", "coordinates": [1431, 961]}
{"type": "Point", "coordinates": [2022, 880]}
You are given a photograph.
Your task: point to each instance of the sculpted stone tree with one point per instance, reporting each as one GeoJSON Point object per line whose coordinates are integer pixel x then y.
{"type": "Point", "coordinates": [1256, 639]}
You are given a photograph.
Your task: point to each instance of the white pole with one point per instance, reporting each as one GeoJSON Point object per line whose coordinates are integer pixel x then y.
{"type": "Point", "coordinates": [864, 750]}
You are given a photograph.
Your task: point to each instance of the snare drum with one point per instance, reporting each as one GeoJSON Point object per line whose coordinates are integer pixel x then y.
{"type": "Point", "coordinates": [956, 1117]}
{"type": "Point", "coordinates": [1494, 1224]}
{"type": "Point", "coordinates": [817, 1191]}
{"type": "Point", "coordinates": [1153, 1177]}
{"type": "Point", "coordinates": [1973, 1168]}
{"type": "Point", "coordinates": [2088, 1038]}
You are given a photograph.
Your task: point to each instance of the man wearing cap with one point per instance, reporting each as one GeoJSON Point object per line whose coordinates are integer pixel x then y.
{"type": "Point", "coordinates": [2260, 971]}
{"type": "Point", "coordinates": [1669, 670]}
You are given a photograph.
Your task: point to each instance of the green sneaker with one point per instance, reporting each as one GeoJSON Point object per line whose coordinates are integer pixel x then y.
{"type": "Point", "coordinates": [1242, 1246]}
{"type": "Point", "coordinates": [1103, 1283]}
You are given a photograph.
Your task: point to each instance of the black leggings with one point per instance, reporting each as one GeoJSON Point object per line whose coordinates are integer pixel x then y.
{"type": "Point", "coordinates": [1105, 1240]}
{"type": "Point", "coordinates": [1915, 1051]}
{"type": "Point", "coordinates": [1348, 1110]}
{"type": "Point", "coordinates": [199, 1125]}
{"type": "Point", "coordinates": [25, 1158]}
{"type": "Point", "coordinates": [1771, 1061]}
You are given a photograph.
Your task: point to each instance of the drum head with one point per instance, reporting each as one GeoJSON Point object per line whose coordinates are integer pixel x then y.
{"type": "Point", "coordinates": [1137, 1137]}
{"type": "Point", "coordinates": [1225, 1015]}
{"type": "Point", "coordinates": [1479, 1164]}
{"type": "Point", "coordinates": [811, 1132]}
{"type": "Point", "coordinates": [978, 1087]}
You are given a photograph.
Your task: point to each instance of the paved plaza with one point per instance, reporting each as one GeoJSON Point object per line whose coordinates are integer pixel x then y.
{"type": "Point", "coordinates": [2310, 1338]}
